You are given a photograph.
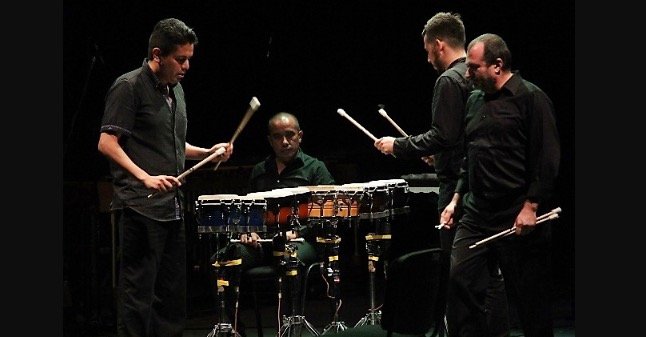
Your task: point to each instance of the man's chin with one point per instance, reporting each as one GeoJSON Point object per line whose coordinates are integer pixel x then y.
{"type": "Point", "coordinates": [287, 155]}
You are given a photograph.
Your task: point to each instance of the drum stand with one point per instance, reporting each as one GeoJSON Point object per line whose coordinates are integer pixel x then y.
{"type": "Point", "coordinates": [289, 266]}
{"type": "Point", "coordinates": [331, 266]}
{"type": "Point", "coordinates": [375, 246]}
{"type": "Point", "coordinates": [226, 258]}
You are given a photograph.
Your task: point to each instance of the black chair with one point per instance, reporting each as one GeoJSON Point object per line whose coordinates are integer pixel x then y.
{"type": "Point", "coordinates": [412, 283]}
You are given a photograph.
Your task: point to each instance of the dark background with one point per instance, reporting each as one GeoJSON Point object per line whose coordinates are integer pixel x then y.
{"type": "Point", "coordinates": [306, 57]}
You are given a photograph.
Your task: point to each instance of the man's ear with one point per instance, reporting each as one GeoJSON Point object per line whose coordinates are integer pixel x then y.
{"type": "Point", "coordinates": [156, 52]}
{"type": "Point", "coordinates": [499, 64]}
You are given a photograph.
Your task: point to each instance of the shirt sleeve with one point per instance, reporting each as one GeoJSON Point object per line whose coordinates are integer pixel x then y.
{"type": "Point", "coordinates": [120, 109]}
{"type": "Point", "coordinates": [543, 148]}
{"type": "Point", "coordinates": [446, 125]}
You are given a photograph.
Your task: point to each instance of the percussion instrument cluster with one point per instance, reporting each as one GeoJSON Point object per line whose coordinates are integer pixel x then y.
{"type": "Point", "coordinates": [273, 211]}
{"type": "Point", "coordinates": [320, 208]}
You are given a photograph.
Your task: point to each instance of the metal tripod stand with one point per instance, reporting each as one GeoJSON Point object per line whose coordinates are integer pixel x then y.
{"type": "Point", "coordinates": [376, 244]}
{"type": "Point", "coordinates": [227, 266]}
{"type": "Point", "coordinates": [331, 271]}
{"type": "Point", "coordinates": [289, 267]}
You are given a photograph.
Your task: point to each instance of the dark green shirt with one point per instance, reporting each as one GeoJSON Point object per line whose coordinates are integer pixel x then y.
{"type": "Point", "coordinates": [304, 170]}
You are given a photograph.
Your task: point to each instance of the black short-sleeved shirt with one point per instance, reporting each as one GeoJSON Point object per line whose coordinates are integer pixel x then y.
{"type": "Point", "coordinates": [152, 134]}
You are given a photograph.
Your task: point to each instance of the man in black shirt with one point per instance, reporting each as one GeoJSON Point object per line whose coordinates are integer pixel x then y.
{"type": "Point", "coordinates": [443, 145]}
{"type": "Point", "coordinates": [143, 134]}
{"type": "Point", "coordinates": [511, 164]}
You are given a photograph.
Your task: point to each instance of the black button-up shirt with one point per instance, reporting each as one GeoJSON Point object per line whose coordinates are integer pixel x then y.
{"type": "Point", "coordinates": [153, 135]}
{"type": "Point", "coordinates": [444, 138]}
{"type": "Point", "coordinates": [513, 148]}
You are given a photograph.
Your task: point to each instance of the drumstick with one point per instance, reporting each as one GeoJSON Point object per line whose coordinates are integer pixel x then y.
{"type": "Point", "coordinates": [253, 106]}
{"type": "Point", "coordinates": [344, 114]}
{"type": "Point", "coordinates": [202, 162]}
{"type": "Point", "coordinates": [538, 218]}
{"type": "Point", "coordinates": [553, 214]}
{"type": "Point", "coordinates": [385, 114]}
{"type": "Point", "coordinates": [196, 166]}
{"type": "Point", "coordinates": [270, 240]}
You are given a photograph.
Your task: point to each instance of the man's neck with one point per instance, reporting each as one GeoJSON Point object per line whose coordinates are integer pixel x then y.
{"type": "Point", "coordinates": [280, 166]}
{"type": "Point", "coordinates": [452, 56]}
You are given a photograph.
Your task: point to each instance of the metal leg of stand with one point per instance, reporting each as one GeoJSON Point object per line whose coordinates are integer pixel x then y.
{"type": "Point", "coordinates": [293, 325]}
{"type": "Point", "coordinates": [224, 328]}
{"type": "Point", "coordinates": [332, 241]}
{"type": "Point", "coordinates": [374, 248]}
{"type": "Point", "coordinates": [335, 325]}
{"type": "Point", "coordinates": [373, 317]}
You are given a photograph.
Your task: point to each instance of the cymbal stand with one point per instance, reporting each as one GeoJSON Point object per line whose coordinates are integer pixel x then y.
{"type": "Point", "coordinates": [227, 264]}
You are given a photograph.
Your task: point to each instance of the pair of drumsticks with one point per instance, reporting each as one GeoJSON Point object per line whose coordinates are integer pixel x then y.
{"type": "Point", "coordinates": [553, 214]}
{"type": "Point", "coordinates": [254, 104]}
{"type": "Point", "coordinates": [381, 112]}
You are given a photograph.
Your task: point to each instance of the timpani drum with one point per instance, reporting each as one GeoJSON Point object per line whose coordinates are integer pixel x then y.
{"type": "Point", "coordinates": [213, 213]}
